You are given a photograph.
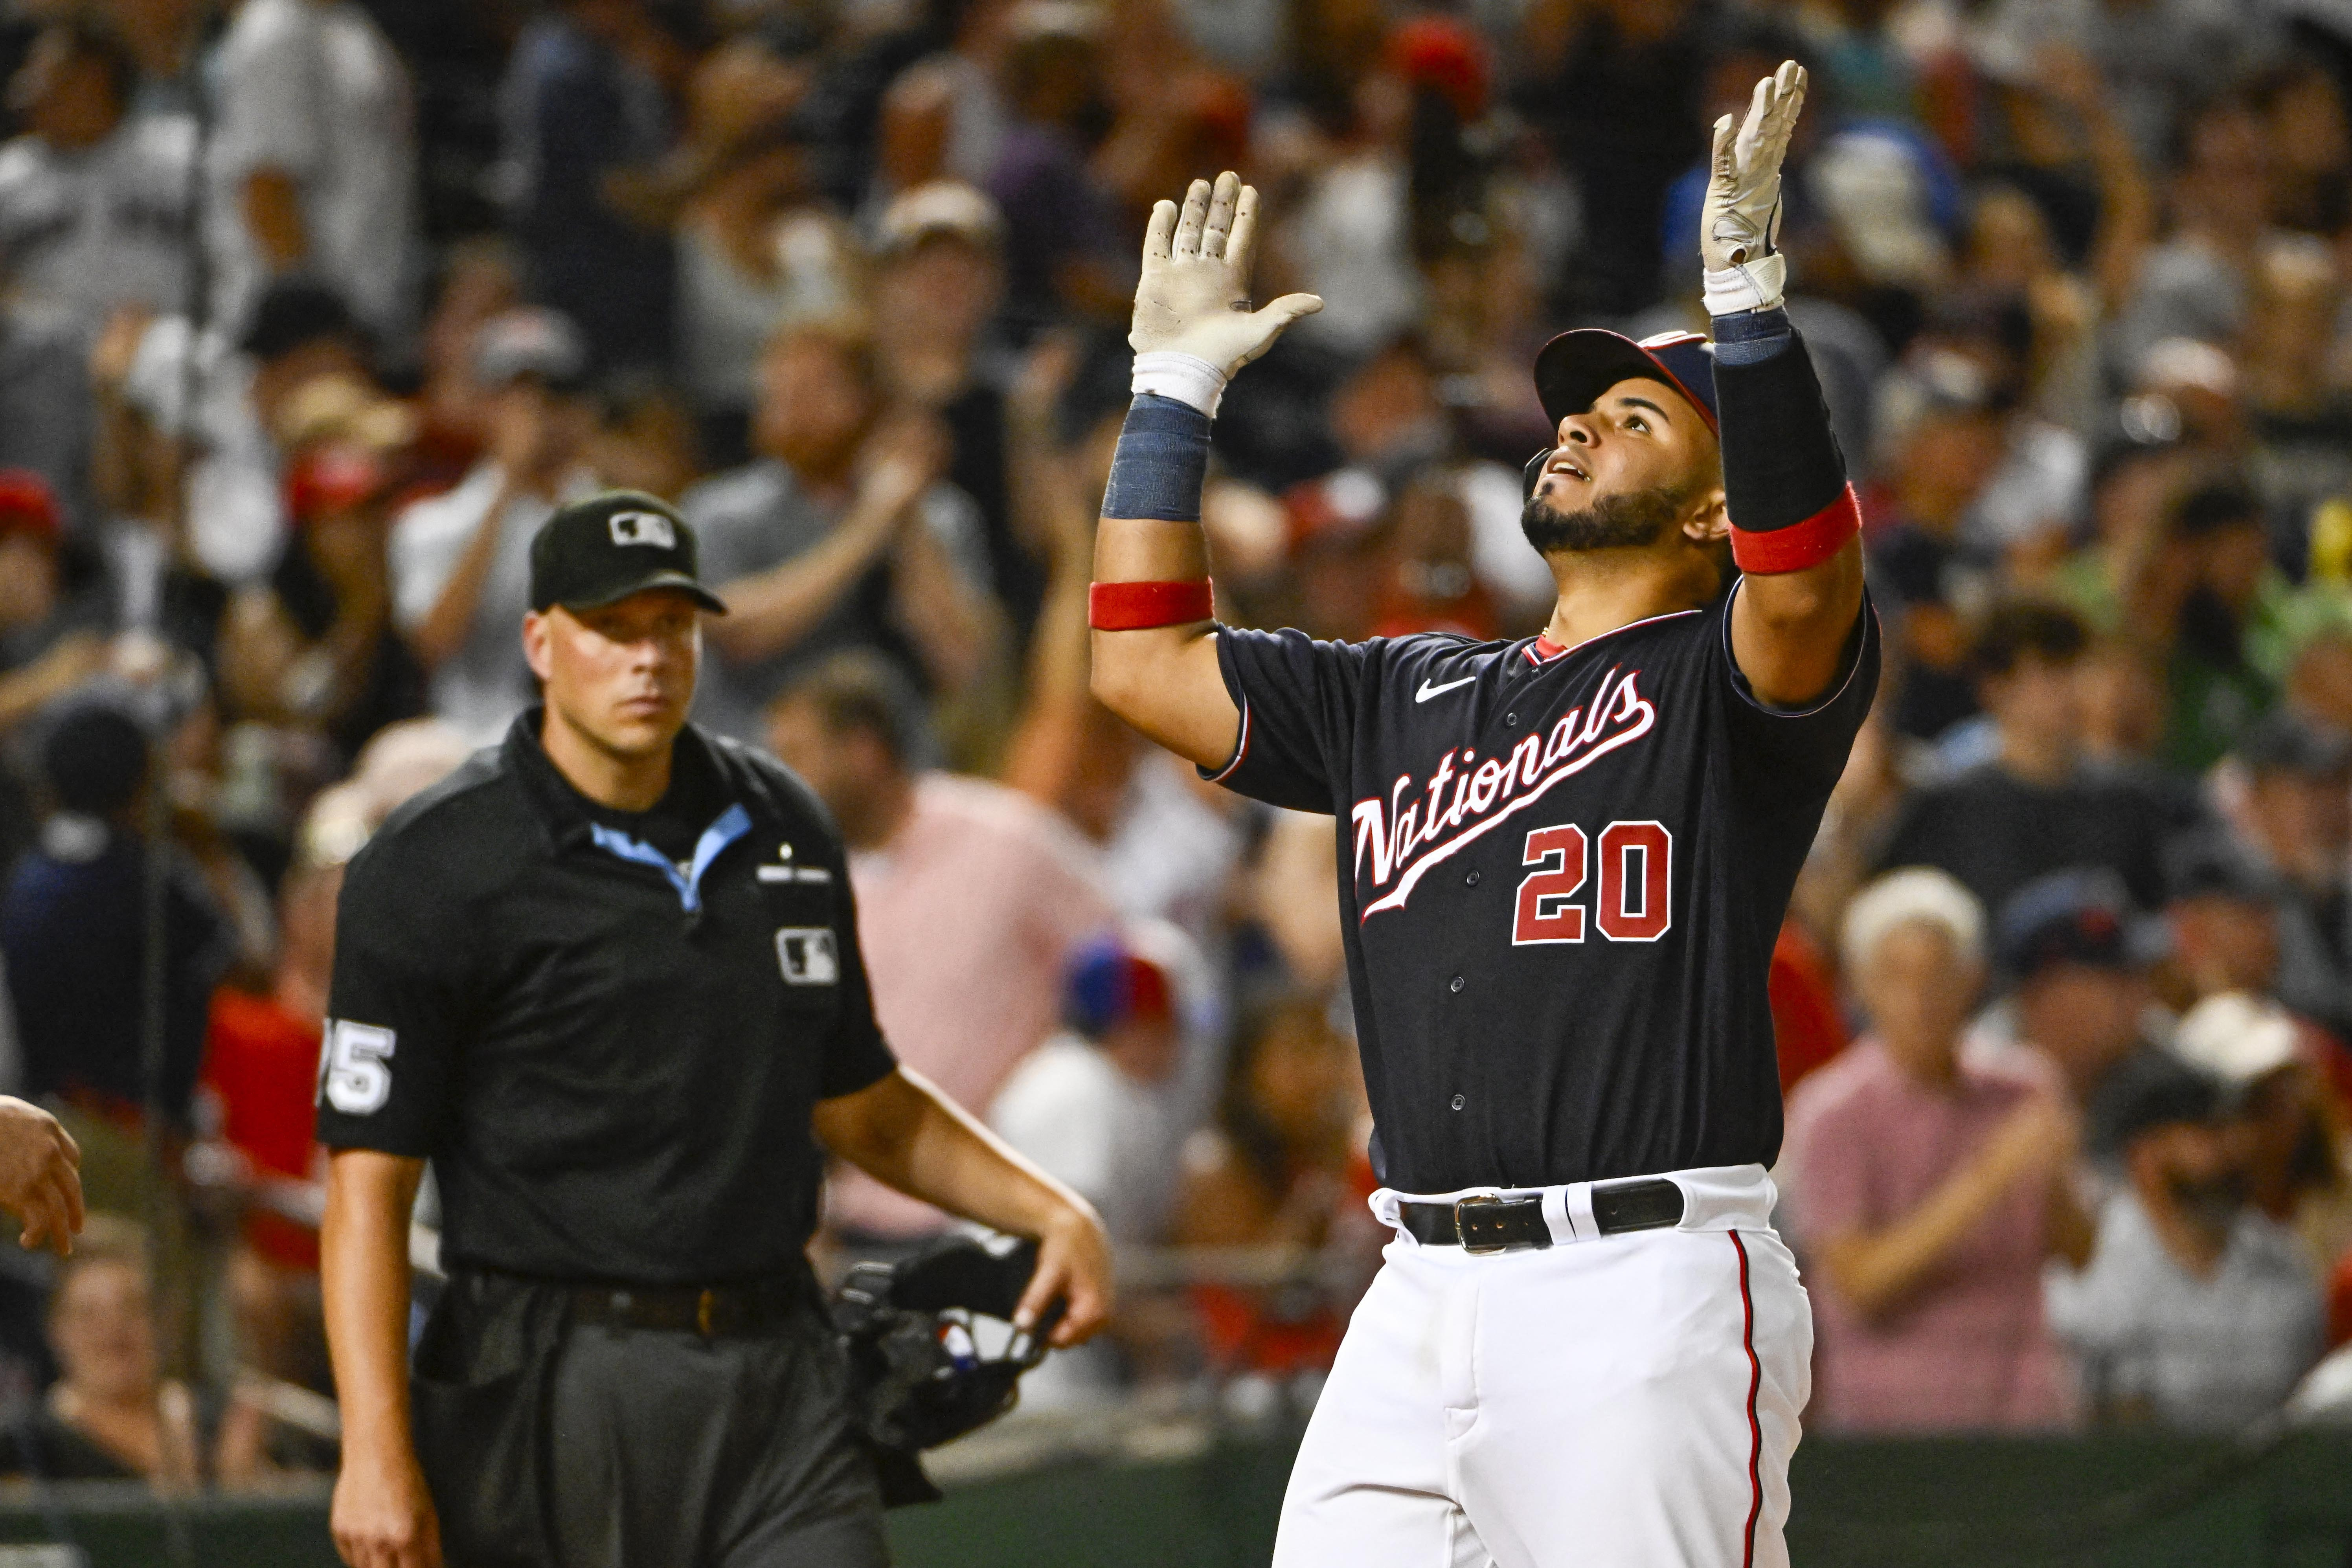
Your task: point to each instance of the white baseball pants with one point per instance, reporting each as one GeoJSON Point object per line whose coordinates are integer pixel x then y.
{"type": "Point", "coordinates": [1626, 1401]}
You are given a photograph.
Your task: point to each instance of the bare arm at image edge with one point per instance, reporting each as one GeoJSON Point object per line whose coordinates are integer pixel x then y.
{"type": "Point", "coordinates": [1193, 299]}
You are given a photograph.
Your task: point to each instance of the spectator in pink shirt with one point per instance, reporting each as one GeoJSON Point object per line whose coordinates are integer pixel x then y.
{"type": "Point", "coordinates": [1928, 1187]}
{"type": "Point", "coordinates": [971, 898]}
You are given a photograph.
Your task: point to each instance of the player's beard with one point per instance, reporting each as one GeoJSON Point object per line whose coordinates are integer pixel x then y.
{"type": "Point", "coordinates": [1614, 522]}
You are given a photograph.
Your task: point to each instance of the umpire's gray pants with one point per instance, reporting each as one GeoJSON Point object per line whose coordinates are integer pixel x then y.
{"type": "Point", "coordinates": [670, 1450]}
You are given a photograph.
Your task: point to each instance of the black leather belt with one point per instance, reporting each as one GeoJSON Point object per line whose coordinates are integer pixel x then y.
{"type": "Point", "coordinates": [1501, 1224]}
{"type": "Point", "coordinates": [715, 1311]}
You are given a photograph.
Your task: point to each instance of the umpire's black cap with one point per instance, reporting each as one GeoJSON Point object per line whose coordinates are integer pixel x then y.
{"type": "Point", "coordinates": [600, 550]}
{"type": "Point", "coordinates": [1576, 367]}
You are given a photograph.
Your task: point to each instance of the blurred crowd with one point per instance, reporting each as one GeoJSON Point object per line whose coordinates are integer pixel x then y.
{"type": "Point", "coordinates": [312, 310]}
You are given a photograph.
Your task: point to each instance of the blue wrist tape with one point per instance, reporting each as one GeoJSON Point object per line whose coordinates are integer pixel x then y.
{"type": "Point", "coordinates": [1751, 337]}
{"type": "Point", "coordinates": [1162, 458]}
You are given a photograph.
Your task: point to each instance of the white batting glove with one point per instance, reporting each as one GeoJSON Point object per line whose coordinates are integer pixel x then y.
{"type": "Point", "coordinates": [1742, 212]}
{"type": "Point", "coordinates": [1193, 327]}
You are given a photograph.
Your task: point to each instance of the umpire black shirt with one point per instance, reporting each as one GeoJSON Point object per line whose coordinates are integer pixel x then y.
{"type": "Point", "coordinates": [606, 1032]}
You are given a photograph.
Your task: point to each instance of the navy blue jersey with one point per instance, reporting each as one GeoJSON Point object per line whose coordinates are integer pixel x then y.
{"type": "Point", "coordinates": [1561, 875]}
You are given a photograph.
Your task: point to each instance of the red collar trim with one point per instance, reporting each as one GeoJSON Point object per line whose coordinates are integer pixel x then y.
{"type": "Point", "coordinates": [1543, 650]}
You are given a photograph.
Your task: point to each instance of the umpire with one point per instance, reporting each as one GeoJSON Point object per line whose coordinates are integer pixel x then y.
{"type": "Point", "coordinates": [607, 978]}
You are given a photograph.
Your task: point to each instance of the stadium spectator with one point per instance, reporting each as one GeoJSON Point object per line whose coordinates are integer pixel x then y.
{"type": "Point", "coordinates": [94, 203]}
{"type": "Point", "coordinates": [72, 928]}
{"type": "Point", "coordinates": [2294, 823]}
{"type": "Point", "coordinates": [461, 561]}
{"type": "Point", "coordinates": [110, 1415]}
{"type": "Point", "coordinates": [1095, 1105]}
{"type": "Point", "coordinates": [2036, 805]}
{"type": "Point", "coordinates": [755, 249]}
{"type": "Point", "coordinates": [938, 283]}
{"type": "Point", "coordinates": [2288, 1132]}
{"type": "Point", "coordinates": [2195, 1311]}
{"type": "Point", "coordinates": [1281, 1167]}
{"type": "Point", "coordinates": [313, 161]}
{"type": "Point", "coordinates": [1929, 1187]}
{"type": "Point", "coordinates": [970, 900]}
{"type": "Point", "coordinates": [2078, 955]}
{"type": "Point", "coordinates": [585, 103]}
{"type": "Point", "coordinates": [838, 535]}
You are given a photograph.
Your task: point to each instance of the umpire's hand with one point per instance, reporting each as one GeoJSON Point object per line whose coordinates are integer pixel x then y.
{"type": "Point", "coordinates": [1074, 1268]}
{"type": "Point", "coordinates": [40, 1176]}
{"type": "Point", "coordinates": [382, 1515]}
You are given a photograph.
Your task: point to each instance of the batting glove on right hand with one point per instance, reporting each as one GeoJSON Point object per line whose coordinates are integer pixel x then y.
{"type": "Point", "coordinates": [1192, 304]}
{"type": "Point", "coordinates": [1743, 198]}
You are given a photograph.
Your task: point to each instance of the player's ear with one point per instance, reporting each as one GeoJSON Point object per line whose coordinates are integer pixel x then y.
{"type": "Point", "coordinates": [1707, 519]}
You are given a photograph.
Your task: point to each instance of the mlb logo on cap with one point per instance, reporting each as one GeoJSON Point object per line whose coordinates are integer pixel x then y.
{"type": "Point", "coordinates": [643, 529]}
{"type": "Point", "coordinates": [600, 550]}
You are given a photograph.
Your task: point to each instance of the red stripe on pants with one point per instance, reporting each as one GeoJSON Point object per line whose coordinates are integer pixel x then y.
{"type": "Point", "coordinates": [1755, 1384]}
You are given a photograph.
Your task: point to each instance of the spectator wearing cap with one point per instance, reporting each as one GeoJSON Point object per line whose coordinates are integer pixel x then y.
{"type": "Point", "coordinates": [73, 929]}
{"type": "Point", "coordinates": [2288, 1131]}
{"type": "Point", "coordinates": [2078, 955]}
{"type": "Point", "coordinates": [1925, 571]}
{"type": "Point", "coordinates": [839, 535]}
{"type": "Point", "coordinates": [1093, 1106]}
{"type": "Point", "coordinates": [93, 204]}
{"type": "Point", "coordinates": [314, 649]}
{"type": "Point", "coordinates": [313, 161]}
{"type": "Point", "coordinates": [1929, 1186]}
{"type": "Point", "coordinates": [937, 288]}
{"type": "Point", "coordinates": [2037, 805]}
{"type": "Point", "coordinates": [51, 641]}
{"type": "Point", "coordinates": [2222, 917]}
{"type": "Point", "coordinates": [2195, 1311]}
{"type": "Point", "coordinates": [1090, 1103]}
{"type": "Point", "coordinates": [461, 560]}
{"type": "Point", "coordinates": [972, 899]}
{"type": "Point", "coordinates": [2290, 817]}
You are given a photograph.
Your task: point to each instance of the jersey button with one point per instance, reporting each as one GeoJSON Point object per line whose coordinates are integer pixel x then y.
{"type": "Point", "coordinates": [1510, 721]}
{"type": "Point", "coordinates": [1457, 984]}
{"type": "Point", "coordinates": [1457, 1102]}
{"type": "Point", "coordinates": [1471, 879]}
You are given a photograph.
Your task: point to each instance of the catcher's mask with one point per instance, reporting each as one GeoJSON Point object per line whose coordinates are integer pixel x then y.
{"type": "Point", "coordinates": [932, 1350]}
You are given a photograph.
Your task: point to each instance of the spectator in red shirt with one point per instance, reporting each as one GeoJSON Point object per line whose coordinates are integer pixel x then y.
{"type": "Point", "coordinates": [1929, 1187]}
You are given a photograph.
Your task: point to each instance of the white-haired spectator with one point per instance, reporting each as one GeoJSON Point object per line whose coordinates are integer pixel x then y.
{"type": "Point", "coordinates": [1928, 1187]}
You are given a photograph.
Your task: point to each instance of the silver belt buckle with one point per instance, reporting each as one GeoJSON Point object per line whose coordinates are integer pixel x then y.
{"type": "Point", "coordinates": [1461, 1204]}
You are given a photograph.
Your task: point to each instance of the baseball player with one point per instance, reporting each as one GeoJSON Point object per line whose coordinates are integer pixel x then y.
{"type": "Point", "coordinates": [1563, 863]}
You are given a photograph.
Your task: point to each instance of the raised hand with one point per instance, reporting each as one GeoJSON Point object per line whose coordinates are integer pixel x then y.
{"type": "Point", "coordinates": [1743, 189]}
{"type": "Point", "coordinates": [1194, 296]}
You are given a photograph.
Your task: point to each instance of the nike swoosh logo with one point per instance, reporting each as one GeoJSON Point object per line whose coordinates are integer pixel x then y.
{"type": "Point", "coordinates": [1428, 691]}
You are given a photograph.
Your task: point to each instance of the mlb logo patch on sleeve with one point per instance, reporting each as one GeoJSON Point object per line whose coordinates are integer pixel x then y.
{"type": "Point", "coordinates": [644, 529]}
{"type": "Point", "coordinates": [808, 956]}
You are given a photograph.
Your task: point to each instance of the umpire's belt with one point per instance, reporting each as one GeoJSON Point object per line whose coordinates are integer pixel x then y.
{"type": "Point", "coordinates": [713, 1312]}
{"type": "Point", "coordinates": [1499, 1224]}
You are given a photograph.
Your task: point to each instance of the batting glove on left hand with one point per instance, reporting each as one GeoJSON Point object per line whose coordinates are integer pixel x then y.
{"type": "Point", "coordinates": [1742, 212]}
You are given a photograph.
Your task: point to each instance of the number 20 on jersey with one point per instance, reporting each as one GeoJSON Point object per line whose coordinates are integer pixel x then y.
{"type": "Point", "coordinates": [1631, 900]}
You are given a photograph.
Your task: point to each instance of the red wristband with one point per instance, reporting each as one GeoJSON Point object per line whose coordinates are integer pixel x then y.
{"type": "Point", "coordinates": [1139, 606]}
{"type": "Point", "coordinates": [1800, 545]}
